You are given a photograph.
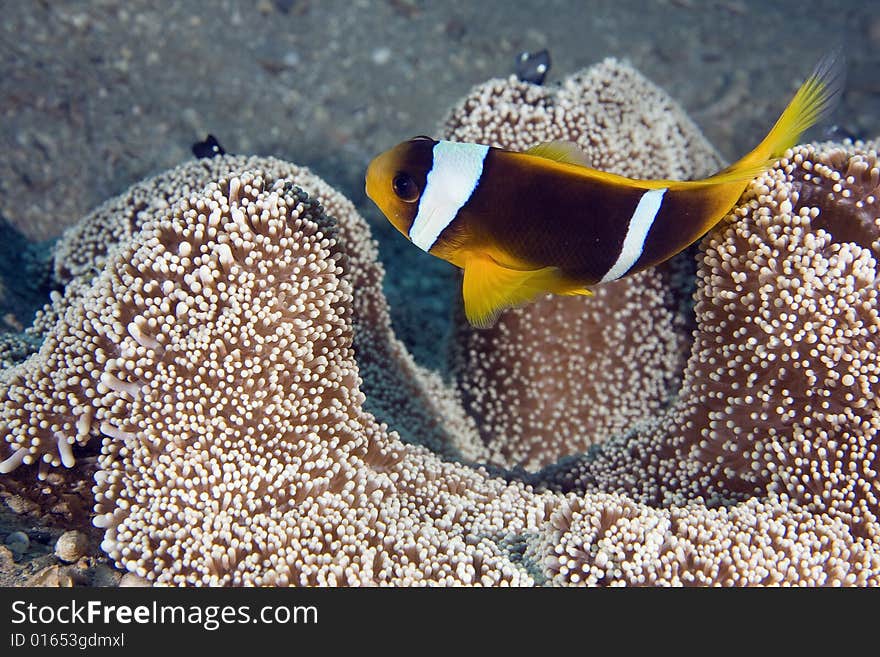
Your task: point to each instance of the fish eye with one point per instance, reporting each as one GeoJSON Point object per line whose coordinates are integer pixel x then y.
{"type": "Point", "coordinates": [405, 187]}
{"type": "Point", "coordinates": [421, 138]}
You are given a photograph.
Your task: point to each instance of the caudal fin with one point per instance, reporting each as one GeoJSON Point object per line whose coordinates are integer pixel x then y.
{"type": "Point", "coordinates": [813, 102]}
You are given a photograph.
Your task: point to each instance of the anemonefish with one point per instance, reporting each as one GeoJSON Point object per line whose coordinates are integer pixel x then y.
{"type": "Point", "coordinates": [522, 224]}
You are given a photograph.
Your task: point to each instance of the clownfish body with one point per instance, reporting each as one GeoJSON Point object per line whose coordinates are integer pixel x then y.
{"type": "Point", "coordinates": [524, 224]}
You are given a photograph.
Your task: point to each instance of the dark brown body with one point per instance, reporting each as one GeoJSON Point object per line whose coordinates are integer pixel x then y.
{"type": "Point", "coordinates": [545, 213]}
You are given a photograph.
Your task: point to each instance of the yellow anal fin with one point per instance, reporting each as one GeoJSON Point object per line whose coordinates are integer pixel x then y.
{"type": "Point", "coordinates": [561, 151]}
{"type": "Point", "coordinates": [490, 287]}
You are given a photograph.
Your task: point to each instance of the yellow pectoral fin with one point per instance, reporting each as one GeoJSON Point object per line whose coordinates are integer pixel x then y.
{"type": "Point", "coordinates": [489, 287]}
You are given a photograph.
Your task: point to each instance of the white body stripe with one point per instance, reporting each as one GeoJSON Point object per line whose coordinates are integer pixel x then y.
{"type": "Point", "coordinates": [453, 177]}
{"type": "Point", "coordinates": [634, 242]}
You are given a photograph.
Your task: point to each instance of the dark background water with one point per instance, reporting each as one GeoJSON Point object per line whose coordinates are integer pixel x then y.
{"type": "Point", "coordinates": [95, 95]}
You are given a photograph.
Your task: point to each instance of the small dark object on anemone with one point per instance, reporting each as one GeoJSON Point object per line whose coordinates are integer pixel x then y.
{"type": "Point", "coordinates": [208, 148]}
{"type": "Point", "coordinates": [284, 6]}
{"type": "Point", "coordinates": [533, 66]}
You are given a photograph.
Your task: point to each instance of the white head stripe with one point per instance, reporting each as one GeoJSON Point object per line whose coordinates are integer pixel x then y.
{"type": "Point", "coordinates": [634, 242]}
{"type": "Point", "coordinates": [451, 181]}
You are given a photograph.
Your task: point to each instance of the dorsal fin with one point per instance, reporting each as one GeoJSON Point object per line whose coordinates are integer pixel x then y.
{"type": "Point", "coordinates": [561, 151]}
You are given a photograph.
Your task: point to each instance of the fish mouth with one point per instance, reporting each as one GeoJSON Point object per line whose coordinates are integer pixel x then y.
{"type": "Point", "coordinates": [377, 185]}
{"type": "Point", "coordinates": [369, 179]}
{"type": "Point", "coordinates": [373, 178]}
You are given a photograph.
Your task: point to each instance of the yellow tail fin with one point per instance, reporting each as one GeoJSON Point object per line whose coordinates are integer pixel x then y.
{"type": "Point", "coordinates": [813, 102]}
